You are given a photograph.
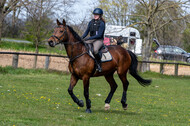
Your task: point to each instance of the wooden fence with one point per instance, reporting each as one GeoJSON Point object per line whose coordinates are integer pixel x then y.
{"type": "Point", "coordinates": [16, 57]}
{"type": "Point", "coordinates": [47, 61]}
{"type": "Point", "coordinates": [164, 63]}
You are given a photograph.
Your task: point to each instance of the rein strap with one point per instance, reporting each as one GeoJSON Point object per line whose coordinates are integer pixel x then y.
{"type": "Point", "coordinates": [72, 59]}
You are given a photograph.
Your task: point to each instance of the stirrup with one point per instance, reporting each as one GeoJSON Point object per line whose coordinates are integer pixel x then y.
{"type": "Point", "coordinates": [99, 69]}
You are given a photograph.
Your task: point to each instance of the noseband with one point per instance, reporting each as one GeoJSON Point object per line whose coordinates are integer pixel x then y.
{"type": "Point", "coordinates": [60, 41]}
{"type": "Point", "coordinates": [71, 59]}
{"type": "Point", "coordinates": [59, 38]}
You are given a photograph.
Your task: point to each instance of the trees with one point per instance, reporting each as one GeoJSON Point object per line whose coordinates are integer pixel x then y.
{"type": "Point", "coordinates": [65, 9]}
{"type": "Point", "coordinates": [186, 38]}
{"type": "Point", "coordinates": [15, 14]}
{"type": "Point", "coordinates": [115, 11]}
{"type": "Point", "coordinates": [40, 18]}
{"type": "Point", "coordinates": [154, 16]}
{"type": "Point", "coordinates": [13, 30]}
{"type": "Point", "coordinates": [7, 6]}
{"type": "Point", "coordinates": [38, 23]}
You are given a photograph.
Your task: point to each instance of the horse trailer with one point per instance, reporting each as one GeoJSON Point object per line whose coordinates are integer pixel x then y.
{"type": "Point", "coordinates": [130, 35]}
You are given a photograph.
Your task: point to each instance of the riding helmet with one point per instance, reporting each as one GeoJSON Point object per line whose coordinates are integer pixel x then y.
{"type": "Point", "coordinates": [98, 11]}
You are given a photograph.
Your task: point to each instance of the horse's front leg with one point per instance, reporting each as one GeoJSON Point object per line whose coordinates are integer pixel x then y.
{"type": "Point", "coordinates": [86, 93]}
{"type": "Point", "coordinates": [73, 82]}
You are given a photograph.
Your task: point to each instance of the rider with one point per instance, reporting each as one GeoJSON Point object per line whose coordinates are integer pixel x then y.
{"type": "Point", "coordinates": [96, 28]}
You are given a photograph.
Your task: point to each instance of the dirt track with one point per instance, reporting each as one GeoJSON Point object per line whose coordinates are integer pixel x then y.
{"type": "Point", "coordinates": [61, 64]}
{"type": "Point", "coordinates": [56, 63]}
{"type": "Point", "coordinates": [170, 69]}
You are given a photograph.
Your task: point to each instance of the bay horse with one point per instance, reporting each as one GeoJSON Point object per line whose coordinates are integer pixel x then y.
{"type": "Point", "coordinates": [82, 65]}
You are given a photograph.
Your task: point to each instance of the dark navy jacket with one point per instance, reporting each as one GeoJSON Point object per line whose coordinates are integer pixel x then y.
{"type": "Point", "coordinates": [99, 35]}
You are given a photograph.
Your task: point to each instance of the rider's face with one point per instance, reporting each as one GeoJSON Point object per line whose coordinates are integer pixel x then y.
{"type": "Point", "coordinates": [96, 16]}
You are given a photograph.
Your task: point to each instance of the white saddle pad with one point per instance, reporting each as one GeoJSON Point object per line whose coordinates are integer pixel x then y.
{"type": "Point", "coordinates": [105, 56]}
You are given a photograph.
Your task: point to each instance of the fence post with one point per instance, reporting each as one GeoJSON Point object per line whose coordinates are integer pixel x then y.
{"type": "Point", "coordinates": [161, 68]}
{"type": "Point", "coordinates": [15, 61]}
{"type": "Point", "coordinates": [139, 67]}
{"type": "Point", "coordinates": [47, 62]}
{"type": "Point", "coordinates": [176, 69]}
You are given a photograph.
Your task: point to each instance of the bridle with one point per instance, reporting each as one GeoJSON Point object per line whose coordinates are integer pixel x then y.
{"type": "Point", "coordinates": [60, 41]}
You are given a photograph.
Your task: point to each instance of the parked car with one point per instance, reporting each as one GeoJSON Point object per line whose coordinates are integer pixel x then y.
{"type": "Point", "coordinates": [168, 52]}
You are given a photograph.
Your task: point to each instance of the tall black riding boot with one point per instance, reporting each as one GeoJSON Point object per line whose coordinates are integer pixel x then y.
{"type": "Point", "coordinates": [98, 62]}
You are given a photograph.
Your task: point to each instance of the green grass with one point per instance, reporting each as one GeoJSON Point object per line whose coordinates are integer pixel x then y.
{"type": "Point", "coordinates": [40, 98]}
{"type": "Point", "coordinates": [31, 48]}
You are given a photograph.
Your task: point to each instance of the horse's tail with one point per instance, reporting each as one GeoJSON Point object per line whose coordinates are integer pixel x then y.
{"type": "Point", "coordinates": [133, 70]}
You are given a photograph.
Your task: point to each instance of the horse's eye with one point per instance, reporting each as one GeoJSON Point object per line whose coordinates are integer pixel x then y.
{"type": "Point", "coordinates": [61, 31]}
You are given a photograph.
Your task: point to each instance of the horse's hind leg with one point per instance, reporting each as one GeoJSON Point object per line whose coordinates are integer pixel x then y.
{"type": "Point", "coordinates": [73, 82]}
{"type": "Point", "coordinates": [125, 82]}
{"type": "Point", "coordinates": [113, 86]}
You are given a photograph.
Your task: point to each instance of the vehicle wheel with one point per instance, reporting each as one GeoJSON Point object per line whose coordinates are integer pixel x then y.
{"type": "Point", "coordinates": [188, 60]}
{"type": "Point", "coordinates": [160, 57]}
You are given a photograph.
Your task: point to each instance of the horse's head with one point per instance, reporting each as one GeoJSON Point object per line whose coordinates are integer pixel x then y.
{"type": "Point", "coordinates": [59, 35]}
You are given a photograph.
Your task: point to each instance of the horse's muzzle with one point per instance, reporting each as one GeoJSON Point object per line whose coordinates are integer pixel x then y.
{"type": "Point", "coordinates": [51, 43]}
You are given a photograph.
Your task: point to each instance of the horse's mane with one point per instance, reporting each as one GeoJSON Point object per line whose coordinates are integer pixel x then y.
{"type": "Point", "coordinates": [75, 34]}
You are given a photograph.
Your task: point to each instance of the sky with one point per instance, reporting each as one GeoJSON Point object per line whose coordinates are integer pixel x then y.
{"type": "Point", "coordinates": [84, 9]}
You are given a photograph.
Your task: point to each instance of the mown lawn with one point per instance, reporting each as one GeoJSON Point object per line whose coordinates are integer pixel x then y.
{"type": "Point", "coordinates": [29, 47]}
{"type": "Point", "coordinates": [40, 98]}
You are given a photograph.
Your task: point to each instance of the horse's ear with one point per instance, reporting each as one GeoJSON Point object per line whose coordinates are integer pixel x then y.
{"type": "Point", "coordinates": [64, 22]}
{"type": "Point", "coordinates": [58, 22]}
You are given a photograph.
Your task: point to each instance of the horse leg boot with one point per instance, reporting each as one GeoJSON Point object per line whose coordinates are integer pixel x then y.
{"type": "Point", "coordinates": [98, 62]}
{"type": "Point", "coordinates": [75, 99]}
{"type": "Point", "coordinates": [125, 87]}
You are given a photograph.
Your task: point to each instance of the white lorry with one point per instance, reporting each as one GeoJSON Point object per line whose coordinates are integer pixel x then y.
{"type": "Point", "coordinates": [130, 35]}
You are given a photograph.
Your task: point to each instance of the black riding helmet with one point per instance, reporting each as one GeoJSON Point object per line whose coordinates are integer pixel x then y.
{"type": "Point", "coordinates": [98, 11]}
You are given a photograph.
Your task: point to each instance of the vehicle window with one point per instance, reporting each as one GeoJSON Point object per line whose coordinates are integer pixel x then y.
{"type": "Point", "coordinates": [168, 50]}
{"type": "Point", "coordinates": [178, 51]}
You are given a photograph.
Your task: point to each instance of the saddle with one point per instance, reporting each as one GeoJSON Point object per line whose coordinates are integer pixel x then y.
{"type": "Point", "coordinates": [103, 51]}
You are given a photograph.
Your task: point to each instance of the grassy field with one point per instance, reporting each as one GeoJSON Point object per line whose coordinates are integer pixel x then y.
{"type": "Point", "coordinates": [29, 47]}
{"type": "Point", "coordinates": [40, 98]}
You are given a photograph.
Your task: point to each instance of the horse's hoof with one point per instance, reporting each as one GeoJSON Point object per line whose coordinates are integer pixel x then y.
{"type": "Point", "coordinates": [107, 106]}
{"type": "Point", "coordinates": [81, 103]}
{"type": "Point", "coordinates": [88, 111]}
{"type": "Point", "coordinates": [125, 106]}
